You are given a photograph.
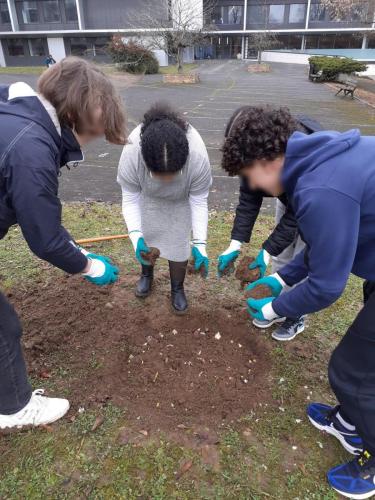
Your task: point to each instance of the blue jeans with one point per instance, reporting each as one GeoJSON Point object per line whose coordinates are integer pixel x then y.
{"type": "Point", "coordinates": [15, 390]}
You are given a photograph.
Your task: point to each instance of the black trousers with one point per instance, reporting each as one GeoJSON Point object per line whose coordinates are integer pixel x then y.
{"type": "Point", "coordinates": [352, 371]}
{"type": "Point", "coordinates": [15, 390]}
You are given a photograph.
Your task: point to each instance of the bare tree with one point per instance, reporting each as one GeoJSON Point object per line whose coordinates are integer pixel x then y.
{"type": "Point", "coordinates": [351, 10]}
{"type": "Point", "coordinates": [184, 23]}
{"type": "Point", "coordinates": [265, 40]}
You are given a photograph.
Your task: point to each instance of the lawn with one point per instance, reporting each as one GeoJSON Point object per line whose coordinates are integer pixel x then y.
{"type": "Point", "coordinates": [270, 452]}
{"type": "Point", "coordinates": [22, 70]}
{"type": "Point", "coordinates": [172, 69]}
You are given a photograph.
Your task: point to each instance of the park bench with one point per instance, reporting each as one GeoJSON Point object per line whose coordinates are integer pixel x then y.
{"type": "Point", "coordinates": [347, 85]}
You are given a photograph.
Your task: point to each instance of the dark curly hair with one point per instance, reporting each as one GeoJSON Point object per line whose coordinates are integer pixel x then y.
{"type": "Point", "coordinates": [256, 133]}
{"type": "Point", "coordinates": [164, 144]}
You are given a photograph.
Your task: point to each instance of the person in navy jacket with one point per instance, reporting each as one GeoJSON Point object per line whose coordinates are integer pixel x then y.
{"type": "Point", "coordinates": [329, 178]}
{"type": "Point", "coordinates": [39, 133]}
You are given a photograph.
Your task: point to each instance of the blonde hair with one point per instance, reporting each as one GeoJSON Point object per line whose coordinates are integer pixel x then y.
{"type": "Point", "coordinates": [78, 90]}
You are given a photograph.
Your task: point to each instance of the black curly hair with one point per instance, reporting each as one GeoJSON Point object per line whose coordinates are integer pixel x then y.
{"type": "Point", "coordinates": [164, 144]}
{"type": "Point", "coordinates": [256, 133]}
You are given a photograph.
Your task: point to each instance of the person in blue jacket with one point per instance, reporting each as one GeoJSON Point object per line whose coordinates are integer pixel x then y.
{"type": "Point", "coordinates": [329, 178]}
{"type": "Point", "coordinates": [39, 133]}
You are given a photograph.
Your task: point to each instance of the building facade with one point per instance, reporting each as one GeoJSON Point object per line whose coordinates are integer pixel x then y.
{"type": "Point", "coordinates": [30, 30]}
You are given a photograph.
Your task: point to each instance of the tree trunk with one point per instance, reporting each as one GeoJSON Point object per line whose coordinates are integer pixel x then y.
{"type": "Point", "coordinates": [259, 56]}
{"type": "Point", "coordinates": [180, 59]}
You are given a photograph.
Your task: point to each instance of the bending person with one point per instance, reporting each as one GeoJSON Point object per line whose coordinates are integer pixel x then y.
{"type": "Point", "coordinates": [165, 176]}
{"type": "Point", "coordinates": [329, 178]}
{"type": "Point", "coordinates": [40, 133]}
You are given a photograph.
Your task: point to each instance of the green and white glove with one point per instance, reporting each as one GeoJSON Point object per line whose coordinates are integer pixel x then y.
{"type": "Point", "coordinates": [228, 257]}
{"type": "Point", "coordinates": [274, 282]}
{"type": "Point", "coordinates": [261, 262]}
{"type": "Point", "coordinates": [200, 258]}
{"type": "Point", "coordinates": [140, 246]}
{"type": "Point", "coordinates": [261, 309]}
{"type": "Point", "coordinates": [102, 271]}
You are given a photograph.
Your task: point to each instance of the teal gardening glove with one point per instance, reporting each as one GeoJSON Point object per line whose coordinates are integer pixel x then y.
{"type": "Point", "coordinates": [200, 258]}
{"type": "Point", "coordinates": [140, 246]}
{"type": "Point", "coordinates": [102, 271]}
{"type": "Point", "coordinates": [261, 262]}
{"type": "Point", "coordinates": [274, 282]}
{"type": "Point", "coordinates": [228, 258]}
{"type": "Point", "coordinates": [261, 309]}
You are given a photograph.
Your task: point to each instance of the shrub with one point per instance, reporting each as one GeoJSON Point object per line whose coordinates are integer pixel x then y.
{"type": "Point", "coordinates": [132, 57]}
{"type": "Point", "coordinates": [333, 66]}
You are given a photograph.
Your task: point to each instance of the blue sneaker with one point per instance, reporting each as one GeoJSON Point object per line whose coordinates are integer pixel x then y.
{"type": "Point", "coordinates": [289, 329]}
{"type": "Point", "coordinates": [326, 418]}
{"type": "Point", "coordinates": [355, 479]}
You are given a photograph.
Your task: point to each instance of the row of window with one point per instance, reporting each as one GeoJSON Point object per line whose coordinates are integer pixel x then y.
{"type": "Point", "coordinates": [41, 11]}
{"type": "Point", "coordinates": [264, 14]}
{"type": "Point", "coordinates": [77, 46]}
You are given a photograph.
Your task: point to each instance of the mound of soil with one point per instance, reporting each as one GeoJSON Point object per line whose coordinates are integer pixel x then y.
{"type": "Point", "coordinates": [191, 270]}
{"type": "Point", "coordinates": [259, 292]}
{"type": "Point", "coordinates": [244, 274]}
{"type": "Point", "coordinates": [229, 269]}
{"type": "Point", "coordinates": [101, 345]}
{"type": "Point", "coordinates": [152, 256]}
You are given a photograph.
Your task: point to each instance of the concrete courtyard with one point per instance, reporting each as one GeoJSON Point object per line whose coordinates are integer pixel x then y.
{"type": "Point", "coordinates": [224, 86]}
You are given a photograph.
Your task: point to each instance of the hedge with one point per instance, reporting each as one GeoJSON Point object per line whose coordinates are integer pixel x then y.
{"type": "Point", "coordinates": [132, 57]}
{"type": "Point", "coordinates": [333, 66]}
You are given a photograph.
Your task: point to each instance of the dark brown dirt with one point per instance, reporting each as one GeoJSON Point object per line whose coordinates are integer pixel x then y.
{"type": "Point", "coordinates": [229, 269]}
{"type": "Point", "coordinates": [259, 292]}
{"type": "Point", "coordinates": [244, 274]}
{"type": "Point", "coordinates": [191, 270]}
{"type": "Point", "coordinates": [151, 256]}
{"type": "Point", "coordinates": [100, 345]}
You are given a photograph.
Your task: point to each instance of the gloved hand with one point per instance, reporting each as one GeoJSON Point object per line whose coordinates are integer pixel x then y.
{"type": "Point", "coordinates": [261, 309]}
{"type": "Point", "coordinates": [102, 271]}
{"type": "Point", "coordinates": [274, 282]}
{"type": "Point", "coordinates": [261, 261]}
{"type": "Point", "coordinates": [199, 254]}
{"type": "Point", "coordinates": [229, 256]}
{"type": "Point", "coordinates": [139, 245]}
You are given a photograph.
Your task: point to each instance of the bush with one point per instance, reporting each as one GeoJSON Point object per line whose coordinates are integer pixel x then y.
{"type": "Point", "coordinates": [132, 57]}
{"type": "Point", "coordinates": [333, 66]}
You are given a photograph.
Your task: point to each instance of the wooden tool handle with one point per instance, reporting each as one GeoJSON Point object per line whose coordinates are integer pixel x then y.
{"type": "Point", "coordinates": [103, 238]}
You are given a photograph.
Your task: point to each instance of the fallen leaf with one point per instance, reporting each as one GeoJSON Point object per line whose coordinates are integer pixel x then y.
{"type": "Point", "coordinates": [45, 374]}
{"type": "Point", "coordinates": [144, 433]}
{"type": "Point", "coordinates": [98, 422]}
{"type": "Point", "coordinates": [185, 466]}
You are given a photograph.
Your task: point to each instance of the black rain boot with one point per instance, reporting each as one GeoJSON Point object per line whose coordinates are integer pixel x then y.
{"type": "Point", "coordinates": [177, 272]}
{"type": "Point", "coordinates": [144, 285]}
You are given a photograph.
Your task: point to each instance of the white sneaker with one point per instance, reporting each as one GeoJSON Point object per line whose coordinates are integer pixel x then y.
{"type": "Point", "coordinates": [267, 323]}
{"type": "Point", "coordinates": [40, 410]}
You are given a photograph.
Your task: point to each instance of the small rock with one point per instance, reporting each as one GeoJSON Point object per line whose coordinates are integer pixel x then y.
{"type": "Point", "coordinates": [217, 336]}
{"type": "Point", "coordinates": [109, 305]}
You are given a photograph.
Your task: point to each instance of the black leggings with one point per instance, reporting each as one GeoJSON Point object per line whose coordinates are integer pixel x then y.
{"type": "Point", "coordinates": [352, 371]}
{"type": "Point", "coordinates": [15, 390]}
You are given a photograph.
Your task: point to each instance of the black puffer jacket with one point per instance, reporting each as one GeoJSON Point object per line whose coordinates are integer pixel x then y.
{"type": "Point", "coordinates": [250, 202]}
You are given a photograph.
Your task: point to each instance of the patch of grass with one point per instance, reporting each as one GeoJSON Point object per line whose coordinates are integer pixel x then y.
{"type": "Point", "coordinates": [271, 453]}
{"type": "Point", "coordinates": [172, 70]}
{"type": "Point", "coordinates": [22, 70]}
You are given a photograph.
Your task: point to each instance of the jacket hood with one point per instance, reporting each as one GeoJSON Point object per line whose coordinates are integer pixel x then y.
{"type": "Point", "coordinates": [307, 152]}
{"type": "Point", "coordinates": [19, 99]}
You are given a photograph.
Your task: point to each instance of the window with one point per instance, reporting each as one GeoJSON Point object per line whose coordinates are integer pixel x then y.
{"type": "Point", "coordinates": [256, 14]}
{"type": "Point", "coordinates": [78, 46]}
{"type": "Point", "coordinates": [71, 11]}
{"type": "Point", "coordinates": [29, 12]}
{"type": "Point", "coordinates": [276, 15]}
{"type": "Point", "coordinates": [100, 45]}
{"type": "Point", "coordinates": [51, 11]}
{"type": "Point", "coordinates": [15, 47]}
{"type": "Point", "coordinates": [235, 14]}
{"type": "Point", "coordinates": [37, 47]}
{"type": "Point", "coordinates": [297, 13]}
{"type": "Point", "coordinates": [4, 13]}
{"type": "Point", "coordinates": [317, 12]}
{"type": "Point", "coordinates": [218, 15]}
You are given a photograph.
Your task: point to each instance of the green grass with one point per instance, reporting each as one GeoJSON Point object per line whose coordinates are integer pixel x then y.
{"type": "Point", "coordinates": [22, 70]}
{"type": "Point", "coordinates": [172, 70]}
{"type": "Point", "coordinates": [257, 459]}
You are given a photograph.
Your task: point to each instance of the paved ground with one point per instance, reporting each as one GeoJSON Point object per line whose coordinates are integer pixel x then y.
{"type": "Point", "coordinates": [225, 85]}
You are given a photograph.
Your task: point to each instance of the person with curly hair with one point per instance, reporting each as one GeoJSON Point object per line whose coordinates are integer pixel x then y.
{"type": "Point", "coordinates": [284, 242]}
{"type": "Point", "coordinates": [329, 178]}
{"type": "Point", "coordinates": [165, 176]}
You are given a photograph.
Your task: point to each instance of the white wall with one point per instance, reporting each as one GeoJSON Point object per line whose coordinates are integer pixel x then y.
{"type": "Point", "coordinates": [285, 57]}
{"type": "Point", "coordinates": [56, 48]}
{"type": "Point", "coordinates": [161, 56]}
{"type": "Point", "coordinates": [2, 58]}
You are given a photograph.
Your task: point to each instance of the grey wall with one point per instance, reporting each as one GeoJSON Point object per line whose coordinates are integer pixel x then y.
{"type": "Point", "coordinates": [25, 60]}
{"type": "Point", "coordinates": [109, 14]}
{"type": "Point", "coordinates": [43, 26]}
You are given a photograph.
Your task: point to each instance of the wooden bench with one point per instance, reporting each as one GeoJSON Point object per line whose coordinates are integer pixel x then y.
{"type": "Point", "coordinates": [347, 85]}
{"type": "Point", "coordinates": [316, 77]}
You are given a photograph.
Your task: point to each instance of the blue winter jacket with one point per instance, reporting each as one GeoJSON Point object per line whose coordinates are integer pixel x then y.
{"type": "Point", "coordinates": [329, 178]}
{"type": "Point", "coordinates": [31, 155]}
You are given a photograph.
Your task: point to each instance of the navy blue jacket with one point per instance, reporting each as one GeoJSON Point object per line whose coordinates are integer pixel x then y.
{"type": "Point", "coordinates": [329, 178]}
{"type": "Point", "coordinates": [31, 155]}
